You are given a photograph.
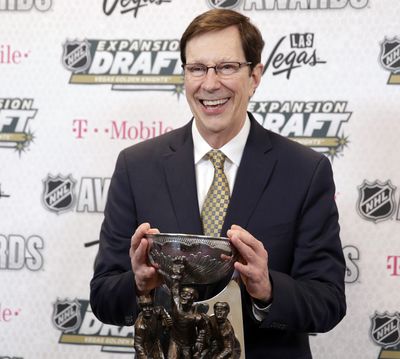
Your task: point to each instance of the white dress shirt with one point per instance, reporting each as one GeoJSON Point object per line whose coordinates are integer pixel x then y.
{"type": "Point", "coordinates": [233, 150]}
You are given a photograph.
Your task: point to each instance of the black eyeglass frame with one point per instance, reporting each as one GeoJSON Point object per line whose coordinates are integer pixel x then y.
{"type": "Point", "coordinates": [216, 68]}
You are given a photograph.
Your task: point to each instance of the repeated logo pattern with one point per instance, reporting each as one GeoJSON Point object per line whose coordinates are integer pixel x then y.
{"type": "Point", "coordinates": [67, 315]}
{"type": "Point", "coordinates": [376, 200]}
{"type": "Point", "coordinates": [385, 329]}
{"type": "Point", "coordinates": [217, 200]}
{"type": "Point", "coordinates": [58, 193]}
{"type": "Point", "coordinates": [58, 114]}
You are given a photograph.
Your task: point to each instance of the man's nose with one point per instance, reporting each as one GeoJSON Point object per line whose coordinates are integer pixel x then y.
{"type": "Point", "coordinates": [211, 80]}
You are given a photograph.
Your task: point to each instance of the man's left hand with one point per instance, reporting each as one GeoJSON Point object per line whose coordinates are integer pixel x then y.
{"type": "Point", "coordinates": [252, 264]}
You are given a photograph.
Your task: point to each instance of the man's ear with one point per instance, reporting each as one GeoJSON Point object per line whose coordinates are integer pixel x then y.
{"type": "Point", "coordinates": [256, 75]}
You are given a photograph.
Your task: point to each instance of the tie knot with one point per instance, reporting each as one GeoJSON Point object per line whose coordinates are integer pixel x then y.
{"type": "Point", "coordinates": [217, 158]}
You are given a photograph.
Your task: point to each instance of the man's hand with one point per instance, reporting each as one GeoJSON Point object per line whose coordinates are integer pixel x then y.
{"type": "Point", "coordinates": [252, 264]}
{"type": "Point", "coordinates": [146, 276]}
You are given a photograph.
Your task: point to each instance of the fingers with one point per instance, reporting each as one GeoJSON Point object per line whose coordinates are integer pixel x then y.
{"type": "Point", "coordinates": [140, 253]}
{"type": "Point", "coordinates": [153, 231]}
{"type": "Point", "coordinates": [242, 269]}
{"type": "Point", "coordinates": [252, 263]}
{"type": "Point", "coordinates": [139, 234]}
{"type": "Point", "coordinates": [146, 276]}
{"type": "Point", "coordinates": [245, 237]}
{"type": "Point", "coordinates": [248, 247]}
{"type": "Point", "coordinates": [140, 244]}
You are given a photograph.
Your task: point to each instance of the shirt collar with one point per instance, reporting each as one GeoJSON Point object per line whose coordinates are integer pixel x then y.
{"type": "Point", "coordinates": [233, 150]}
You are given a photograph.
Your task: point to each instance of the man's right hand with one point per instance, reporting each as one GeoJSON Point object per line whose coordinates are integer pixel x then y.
{"type": "Point", "coordinates": [146, 276]}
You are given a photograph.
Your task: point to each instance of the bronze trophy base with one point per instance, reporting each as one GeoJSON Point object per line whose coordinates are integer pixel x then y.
{"type": "Point", "coordinates": [231, 294]}
{"type": "Point", "coordinates": [175, 324]}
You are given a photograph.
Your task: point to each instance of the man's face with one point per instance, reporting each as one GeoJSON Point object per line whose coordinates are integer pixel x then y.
{"type": "Point", "coordinates": [147, 310]}
{"type": "Point", "coordinates": [219, 103]}
{"type": "Point", "coordinates": [221, 312]}
{"type": "Point", "coordinates": [187, 297]}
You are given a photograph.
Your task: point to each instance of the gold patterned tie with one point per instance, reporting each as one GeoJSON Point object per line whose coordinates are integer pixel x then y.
{"type": "Point", "coordinates": [217, 200]}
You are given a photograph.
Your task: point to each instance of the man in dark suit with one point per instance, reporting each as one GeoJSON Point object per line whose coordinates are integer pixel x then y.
{"type": "Point", "coordinates": [282, 217]}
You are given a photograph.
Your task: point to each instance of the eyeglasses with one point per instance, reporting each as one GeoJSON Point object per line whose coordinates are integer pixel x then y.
{"type": "Point", "coordinates": [221, 69]}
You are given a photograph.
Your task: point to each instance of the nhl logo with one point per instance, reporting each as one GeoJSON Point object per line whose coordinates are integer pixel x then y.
{"type": "Point", "coordinates": [390, 55]}
{"type": "Point", "coordinates": [67, 315]}
{"type": "Point", "coordinates": [76, 55]}
{"type": "Point", "coordinates": [224, 4]}
{"type": "Point", "coordinates": [385, 329]}
{"type": "Point", "coordinates": [376, 200]}
{"type": "Point", "coordinates": [58, 193]}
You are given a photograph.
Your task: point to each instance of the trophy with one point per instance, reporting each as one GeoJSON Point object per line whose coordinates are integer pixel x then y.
{"type": "Point", "coordinates": [202, 317]}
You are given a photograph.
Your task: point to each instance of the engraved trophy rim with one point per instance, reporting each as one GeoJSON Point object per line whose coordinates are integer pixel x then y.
{"type": "Point", "coordinates": [204, 265]}
{"type": "Point", "coordinates": [199, 236]}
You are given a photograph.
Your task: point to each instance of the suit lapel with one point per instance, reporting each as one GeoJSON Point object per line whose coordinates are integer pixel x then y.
{"type": "Point", "coordinates": [255, 169]}
{"type": "Point", "coordinates": [179, 168]}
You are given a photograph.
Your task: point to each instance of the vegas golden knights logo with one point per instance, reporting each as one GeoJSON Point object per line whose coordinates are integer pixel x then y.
{"type": "Point", "coordinates": [390, 353]}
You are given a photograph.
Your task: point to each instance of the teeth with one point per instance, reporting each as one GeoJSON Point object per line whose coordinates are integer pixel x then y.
{"type": "Point", "coordinates": [214, 102]}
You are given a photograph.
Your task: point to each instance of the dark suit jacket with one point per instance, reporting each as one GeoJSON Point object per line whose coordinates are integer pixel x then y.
{"type": "Point", "coordinates": [283, 195]}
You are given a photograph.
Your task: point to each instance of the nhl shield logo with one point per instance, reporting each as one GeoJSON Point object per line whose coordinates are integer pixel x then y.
{"type": "Point", "coordinates": [58, 193]}
{"type": "Point", "coordinates": [385, 329]}
{"type": "Point", "coordinates": [67, 315]}
{"type": "Point", "coordinates": [76, 55]}
{"type": "Point", "coordinates": [376, 200]}
{"type": "Point", "coordinates": [390, 55]}
{"type": "Point", "coordinates": [224, 4]}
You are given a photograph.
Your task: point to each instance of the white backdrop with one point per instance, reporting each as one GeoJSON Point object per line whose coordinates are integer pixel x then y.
{"type": "Point", "coordinates": [81, 80]}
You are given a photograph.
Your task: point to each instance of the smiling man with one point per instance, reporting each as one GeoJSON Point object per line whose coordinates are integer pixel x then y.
{"type": "Point", "coordinates": [273, 198]}
{"type": "Point", "coordinates": [219, 82]}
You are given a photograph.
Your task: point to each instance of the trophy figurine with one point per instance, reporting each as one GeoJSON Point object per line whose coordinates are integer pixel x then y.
{"type": "Point", "coordinates": [204, 308]}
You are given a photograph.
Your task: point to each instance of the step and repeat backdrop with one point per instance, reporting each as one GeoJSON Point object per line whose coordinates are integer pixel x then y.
{"type": "Point", "coordinates": [81, 80]}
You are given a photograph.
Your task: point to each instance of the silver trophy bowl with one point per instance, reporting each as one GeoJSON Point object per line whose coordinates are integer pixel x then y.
{"type": "Point", "coordinates": [204, 263]}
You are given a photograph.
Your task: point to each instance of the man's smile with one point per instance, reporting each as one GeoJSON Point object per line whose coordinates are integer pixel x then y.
{"type": "Point", "coordinates": [214, 103]}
